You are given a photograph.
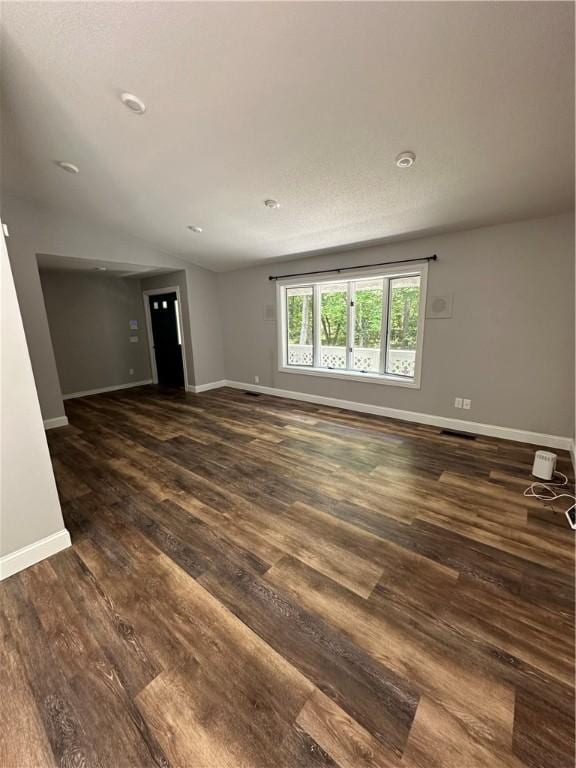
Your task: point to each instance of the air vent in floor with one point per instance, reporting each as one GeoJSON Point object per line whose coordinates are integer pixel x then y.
{"type": "Point", "coordinates": [462, 435]}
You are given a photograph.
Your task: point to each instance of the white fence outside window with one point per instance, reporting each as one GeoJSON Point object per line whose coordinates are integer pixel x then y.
{"type": "Point", "coordinates": [400, 361]}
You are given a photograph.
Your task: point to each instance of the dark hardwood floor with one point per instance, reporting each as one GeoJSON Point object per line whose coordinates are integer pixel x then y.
{"type": "Point", "coordinates": [256, 582]}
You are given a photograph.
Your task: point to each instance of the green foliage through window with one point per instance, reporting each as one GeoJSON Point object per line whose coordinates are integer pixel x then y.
{"type": "Point", "coordinates": [368, 311]}
{"type": "Point", "coordinates": [300, 303]}
{"type": "Point", "coordinates": [333, 315]}
{"type": "Point", "coordinates": [403, 303]}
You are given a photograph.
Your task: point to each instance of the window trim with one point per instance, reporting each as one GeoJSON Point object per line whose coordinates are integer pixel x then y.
{"type": "Point", "coordinates": [348, 375]}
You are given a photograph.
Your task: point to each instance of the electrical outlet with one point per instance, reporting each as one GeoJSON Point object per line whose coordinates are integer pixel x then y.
{"type": "Point", "coordinates": [467, 404]}
{"type": "Point", "coordinates": [131, 371]}
{"type": "Point", "coordinates": [458, 402]}
{"type": "Point", "coordinates": [256, 379]}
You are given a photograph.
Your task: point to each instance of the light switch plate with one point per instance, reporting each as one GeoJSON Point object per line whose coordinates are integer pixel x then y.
{"type": "Point", "coordinates": [458, 402]}
{"type": "Point", "coordinates": [466, 404]}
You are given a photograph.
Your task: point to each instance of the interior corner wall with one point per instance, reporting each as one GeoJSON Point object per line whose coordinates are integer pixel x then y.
{"type": "Point", "coordinates": [22, 253]}
{"type": "Point", "coordinates": [36, 229]}
{"type": "Point", "coordinates": [206, 326]}
{"type": "Point", "coordinates": [509, 346]}
{"type": "Point", "coordinates": [89, 316]}
{"type": "Point", "coordinates": [31, 524]}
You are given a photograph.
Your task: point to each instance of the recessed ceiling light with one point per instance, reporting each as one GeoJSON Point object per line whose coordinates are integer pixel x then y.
{"type": "Point", "coordinates": [405, 159]}
{"type": "Point", "coordinates": [68, 167]}
{"type": "Point", "coordinates": [100, 269]}
{"type": "Point", "coordinates": [271, 203]}
{"type": "Point", "coordinates": [133, 103]}
{"type": "Point", "coordinates": [194, 228]}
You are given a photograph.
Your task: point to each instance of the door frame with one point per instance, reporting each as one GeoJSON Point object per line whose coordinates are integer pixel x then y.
{"type": "Point", "coordinates": [145, 297]}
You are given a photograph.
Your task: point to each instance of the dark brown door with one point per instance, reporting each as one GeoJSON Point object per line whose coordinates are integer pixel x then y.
{"type": "Point", "coordinates": [166, 339]}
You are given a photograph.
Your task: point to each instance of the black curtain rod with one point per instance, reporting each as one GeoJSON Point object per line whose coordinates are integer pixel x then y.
{"type": "Point", "coordinates": [345, 269]}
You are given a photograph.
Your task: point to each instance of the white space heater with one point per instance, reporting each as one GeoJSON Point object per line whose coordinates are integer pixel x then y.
{"type": "Point", "coordinates": [544, 465]}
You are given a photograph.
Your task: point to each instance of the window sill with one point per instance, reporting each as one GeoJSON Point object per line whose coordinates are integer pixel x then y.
{"type": "Point", "coordinates": [370, 378]}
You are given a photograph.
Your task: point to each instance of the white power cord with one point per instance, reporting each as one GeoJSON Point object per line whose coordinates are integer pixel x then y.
{"type": "Point", "coordinates": [546, 492]}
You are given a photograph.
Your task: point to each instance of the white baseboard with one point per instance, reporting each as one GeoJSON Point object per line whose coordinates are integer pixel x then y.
{"type": "Point", "coordinates": [206, 387]}
{"type": "Point", "coordinates": [107, 389]}
{"type": "Point", "coordinates": [444, 422]}
{"type": "Point", "coordinates": [33, 553]}
{"type": "Point", "coordinates": [59, 421]}
{"type": "Point", "coordinates": [490, 430]}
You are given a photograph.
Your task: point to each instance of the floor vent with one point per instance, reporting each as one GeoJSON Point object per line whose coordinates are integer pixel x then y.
{"type": "Point", "coordinates": [454, 433]}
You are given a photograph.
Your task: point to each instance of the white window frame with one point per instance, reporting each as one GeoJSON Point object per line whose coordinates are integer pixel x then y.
{"type": "Point", "coordinates": [389, 273]}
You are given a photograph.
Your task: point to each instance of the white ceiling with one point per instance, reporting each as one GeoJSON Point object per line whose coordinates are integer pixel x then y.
{"type": "Point", "coordinates": [308, 103]}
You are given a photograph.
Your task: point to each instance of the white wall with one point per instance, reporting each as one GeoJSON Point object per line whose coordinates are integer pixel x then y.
{"type": "Point", "coordinates": [509, 346]}
{"type": "Point", "coordinates": [206, 325]}
{"type": "Point", "coordinates": [38, 229]}
{"type": "Point", "coordinates": [31, 525]}
{"type": "Point", "coordinates": [89, 317]}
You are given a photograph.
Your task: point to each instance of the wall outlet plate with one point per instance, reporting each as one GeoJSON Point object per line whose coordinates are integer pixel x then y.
{"type": "Point", "coordinates": [256, 379]}
{"type": "Point", "coordinates": [467, 404]}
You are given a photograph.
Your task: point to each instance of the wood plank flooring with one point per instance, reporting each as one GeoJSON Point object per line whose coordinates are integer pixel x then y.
{"type": "Point", "coordinates": [264, 583]}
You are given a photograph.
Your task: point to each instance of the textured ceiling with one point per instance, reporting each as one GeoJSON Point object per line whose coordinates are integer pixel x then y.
{"type": "Point", "coordinates": [308, 103]}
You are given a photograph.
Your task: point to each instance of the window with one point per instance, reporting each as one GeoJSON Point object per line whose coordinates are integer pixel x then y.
{"type": "Point", "coordinates": [300, 325]}
{"type": "Point", "coordinates": [333, 325]}
{"type": "Point", "coordinates": [367, 328]}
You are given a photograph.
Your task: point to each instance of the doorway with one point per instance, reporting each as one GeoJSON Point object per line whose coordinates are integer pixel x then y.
{"type": "Point", "coordinates": [163, 316]}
